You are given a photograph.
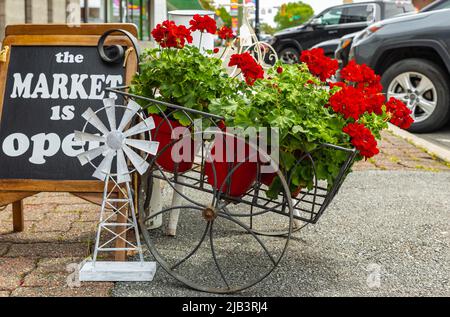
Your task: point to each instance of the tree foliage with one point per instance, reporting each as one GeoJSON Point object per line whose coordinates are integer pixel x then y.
{"type": "Point", "coordinates": [267, 29]}
{"type": "Point", "coordinates": [293, 14]}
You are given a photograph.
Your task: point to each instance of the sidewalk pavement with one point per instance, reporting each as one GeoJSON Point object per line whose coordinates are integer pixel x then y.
{"type": "Point", "coordinates": [393, 211]}
{"type": "Point", "coordinates": [386, 234]}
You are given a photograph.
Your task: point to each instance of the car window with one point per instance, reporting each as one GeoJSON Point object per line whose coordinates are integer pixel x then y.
{"type": "Point", "coordinates": [357, 14]}
{"type": "Point", "coordinates": [331, 17]}
{"type": "Point", "coordinates": [443, 5]}
{"type": "Point", "coordinates": [393, 9]}
{"type": "Point", "coordinates": [437, 5]}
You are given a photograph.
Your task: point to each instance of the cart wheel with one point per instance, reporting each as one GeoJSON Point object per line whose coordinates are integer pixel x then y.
{"type": "Point", "coordinates": [215, 249]}
{"type": "Point", "coordinates": [271, 222]}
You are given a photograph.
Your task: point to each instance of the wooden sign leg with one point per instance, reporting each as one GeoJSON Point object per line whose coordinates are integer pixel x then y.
{"type": "Point", "coordinates": [18, 222]}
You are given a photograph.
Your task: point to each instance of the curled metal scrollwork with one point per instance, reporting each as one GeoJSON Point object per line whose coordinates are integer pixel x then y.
{"type": "Point", "coordinates": [116, 53]}
{"type": "Point", "coordinates": [262, 52]}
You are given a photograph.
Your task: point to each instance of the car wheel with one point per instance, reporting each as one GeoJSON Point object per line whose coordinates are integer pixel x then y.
{"type": "Point", "coordinates": [422, 86]}
{"type": "Point", "coordinates": [290, 55]}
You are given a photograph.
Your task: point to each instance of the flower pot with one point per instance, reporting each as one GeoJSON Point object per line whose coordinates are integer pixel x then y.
{"type": "Point", "coordinates": [171, 154]}
{"type": "Point", "coordinates": [225, 160]}
{"type": "Point", "coordinates": [295, 193]}
{"type": "Point", "coordinates": [267, 178]}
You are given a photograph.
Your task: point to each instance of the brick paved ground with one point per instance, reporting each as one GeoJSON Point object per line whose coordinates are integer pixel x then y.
{"type": "Point", "coordinates": [398, 154]}
{"type": "Point", "coordinates": [60, 230]}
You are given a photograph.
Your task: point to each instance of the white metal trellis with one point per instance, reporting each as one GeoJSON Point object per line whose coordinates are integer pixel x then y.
{"type": "Point", "coordinates": [262, 52]}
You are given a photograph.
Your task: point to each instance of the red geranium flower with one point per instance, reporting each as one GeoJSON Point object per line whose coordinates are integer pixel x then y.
{"type": "Point", "coordinates": [249, 67]}
{"type": "Point", "coordinates": [349, 101]}
{"type": "Point", "coordinates": [168, 34]}
{"type": "Point", "coordinates": [362, 139]}
{"type": "Point", "coordinates": [362, 75]}
{"type": "Point", "coordinates": [225, 33]}
{"type": "Point", "coordinates": [336, 84]}
{"type": "Point", "coordinates": [203, 24]}
{"type": "Point", "coordinates": [319, 64]}
{"type": "Point", "coordinates": [400, 113]}
{"type": "Point", "coordinates": [374, 100]}
{"type": "Point", "coordinates": [216, 50]}
{"type": "Point", "coordinates": [280, 70]}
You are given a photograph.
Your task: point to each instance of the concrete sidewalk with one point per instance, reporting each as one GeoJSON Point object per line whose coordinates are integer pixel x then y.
{"type": "Point", "coordinates": [391, 225]}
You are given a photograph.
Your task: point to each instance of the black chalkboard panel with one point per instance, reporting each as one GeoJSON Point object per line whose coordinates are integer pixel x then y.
{"type": "Point", "coordinates": [47, 90]}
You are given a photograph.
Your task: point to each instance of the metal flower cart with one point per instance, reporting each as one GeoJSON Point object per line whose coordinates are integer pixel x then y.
{"type": "Point", "coordinates": [226, 241]}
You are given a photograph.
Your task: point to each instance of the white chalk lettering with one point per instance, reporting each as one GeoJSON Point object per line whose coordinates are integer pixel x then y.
{"type": "Point", "coordinates": [96, 87]}
{"type": "Point", "coordinates": [41, 88]}
{"type": "Point", "coordinates": [75, 86]}
{"type": "Point", "coordinates": [69, 144]}
{"type": "Point", "coordinates": [21, 88]}
{"type": "Point", "coordinates": [10, 141]}
{"type": "Point", "coordinates": [68, 58]}
{"type": "Point", "coordinates": [59, 90]}
{"type": "Point", "coordinates": [44, 145]}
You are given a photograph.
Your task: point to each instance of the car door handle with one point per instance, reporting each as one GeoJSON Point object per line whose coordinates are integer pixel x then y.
{"type": "Point", "coordinates": [332, 32]}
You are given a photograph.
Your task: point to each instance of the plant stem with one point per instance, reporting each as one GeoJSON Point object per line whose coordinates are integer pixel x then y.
{"type": "Point", "coordinates": [223, 53]}
{"type": "Point", "coordinates": [237, 75]}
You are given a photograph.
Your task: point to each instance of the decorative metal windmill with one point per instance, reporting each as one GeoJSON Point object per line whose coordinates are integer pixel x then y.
{"type": "Point", "coordinates": [115, 144]}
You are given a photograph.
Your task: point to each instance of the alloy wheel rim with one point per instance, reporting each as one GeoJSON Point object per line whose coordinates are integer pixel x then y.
{"type": "Point", "coordinates": [289, 57]}
{"type": "Point", "coordinates": [417, 91]}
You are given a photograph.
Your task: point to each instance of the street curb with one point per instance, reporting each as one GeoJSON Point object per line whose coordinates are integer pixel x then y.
{"type": "Point", "coordinates": [429, 147]}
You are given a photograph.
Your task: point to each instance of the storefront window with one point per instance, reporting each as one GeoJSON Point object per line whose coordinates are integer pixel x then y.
{"type": "Point", "coordinates": [118, 11]}
{"type": "Point", "coordinates": [93, 11]}
{"type": "Point", "coordinates": [145, 32]}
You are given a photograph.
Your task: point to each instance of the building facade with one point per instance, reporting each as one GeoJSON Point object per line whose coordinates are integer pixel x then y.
{"type": "Point", "coordinates": [144, 13]}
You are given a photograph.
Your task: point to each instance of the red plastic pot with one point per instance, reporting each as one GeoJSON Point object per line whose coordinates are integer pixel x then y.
{"type": "Point", "coordinates": [243, 173]}
{"type": "Point", "coordinates": [267, 178]}
{"type": "Point", "coordinates": [163, 134]}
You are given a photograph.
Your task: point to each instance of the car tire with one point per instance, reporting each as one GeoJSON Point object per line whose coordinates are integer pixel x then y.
{"type": "Point", "coordinates": [289, 55]}
{"type": "Point", "coordinates": [435, 100]}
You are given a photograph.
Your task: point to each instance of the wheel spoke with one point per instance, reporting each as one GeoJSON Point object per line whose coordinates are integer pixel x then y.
{"type": "Point", "coordinates": [405, 81]}
{"type": "Point", "coordinates": [413, 111]}
{"type": "Point", "coordinates": [424, 85]}
{"type": "Point", "coordinates": [213, 251]}
{"type": "Point", "coordinates": [252, 233]}
{"type": "Point", "coordinates": [194, 250]}
{"type": "Point", "coordinates": [427, 106]}
{"type": "Point", "coordinates": [400, 96]}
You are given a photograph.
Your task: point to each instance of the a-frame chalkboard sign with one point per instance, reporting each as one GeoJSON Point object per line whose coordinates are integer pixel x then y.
{"type": "Point", "coordinates": [49, 75]}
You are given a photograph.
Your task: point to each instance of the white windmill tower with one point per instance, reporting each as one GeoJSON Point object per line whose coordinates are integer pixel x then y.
{"type": "Point", "coordinates": [115, 144]}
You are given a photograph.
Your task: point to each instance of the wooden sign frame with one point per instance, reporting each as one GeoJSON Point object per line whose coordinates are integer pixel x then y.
{"type": "Point", "coordinates": [14, 190]}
